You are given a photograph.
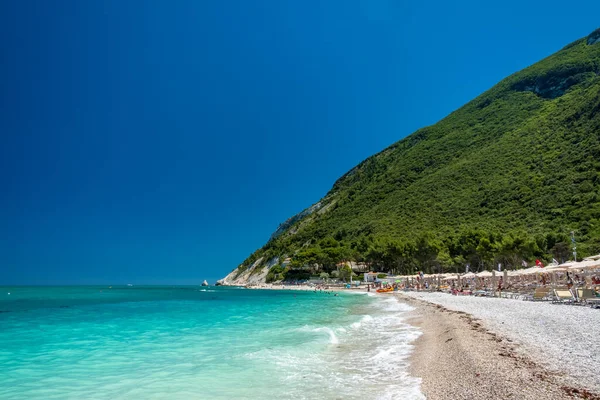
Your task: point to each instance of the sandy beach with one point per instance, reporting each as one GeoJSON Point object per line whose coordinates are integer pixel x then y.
{"type": "Point", "coordinates": [482, 348]}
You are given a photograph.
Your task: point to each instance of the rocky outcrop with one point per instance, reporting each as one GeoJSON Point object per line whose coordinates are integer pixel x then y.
{"type": "Point", "coordinates": [594, 37]}
{"type": "Point", "coordinates": [555, 83]}
{"type": "Point", "coordinates": [255, 274]}
{"type": "Point", "coordinates": [291, 221]}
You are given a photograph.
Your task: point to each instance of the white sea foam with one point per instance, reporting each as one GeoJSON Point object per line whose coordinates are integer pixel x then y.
{"type": "Point", "coordinates": [371, 353]}
{"type": "Point", "coordinates": [333, 339]}
{"type": "Point", "coordinates": [317, 346]}
{"type": "Point", "coordinates": [358, 324]}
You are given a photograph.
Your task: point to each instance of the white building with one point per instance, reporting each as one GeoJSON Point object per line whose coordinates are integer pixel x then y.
{"type": "Point", "coordinates": [371, 276]}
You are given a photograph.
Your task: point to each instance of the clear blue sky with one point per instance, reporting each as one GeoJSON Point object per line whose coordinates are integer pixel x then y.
{"type": "Point", "coordinates": [163, 141]}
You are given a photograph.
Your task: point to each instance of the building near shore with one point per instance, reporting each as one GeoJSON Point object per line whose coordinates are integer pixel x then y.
{"type": "Point", "coordinates": [371, 276]}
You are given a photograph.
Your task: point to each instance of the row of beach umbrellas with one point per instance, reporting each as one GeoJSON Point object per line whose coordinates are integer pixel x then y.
{"type": "Point", "coordinates": [570, 266]}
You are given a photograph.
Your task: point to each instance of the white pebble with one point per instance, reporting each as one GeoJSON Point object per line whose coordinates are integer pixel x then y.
{"type": "Point", "coordinates": [559, 336]}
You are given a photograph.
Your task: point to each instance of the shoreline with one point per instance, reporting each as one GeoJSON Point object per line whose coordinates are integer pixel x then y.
{"type": "Point", "coordinates": [269, 286]}
{"type": "Point", "coordinates": [458, 357]}
{"type": "Point", "coordinates": [462, 354]}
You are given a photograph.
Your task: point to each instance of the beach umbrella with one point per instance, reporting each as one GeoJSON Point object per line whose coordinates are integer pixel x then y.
{"type": "Point", "coordinates": [530, 271]}
{"type": "Point", "coordinates": [567, 264]}
{"type": "Point", "coordinates": [586, 264]}
{"type": "Point", "coordinates": [555, 269]}
{"type": "Point", "coordinates": [484, 274]}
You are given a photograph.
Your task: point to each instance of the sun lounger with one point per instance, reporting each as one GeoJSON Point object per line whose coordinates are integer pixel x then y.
{"type": "Point", "coordinates": [563, 296]}
{"type": "Point", "coordinates": [523, 294]}
{"type": "Point", "coordinates": [587, 296]}
{"type": "Point", "coordinates": [540, 294]}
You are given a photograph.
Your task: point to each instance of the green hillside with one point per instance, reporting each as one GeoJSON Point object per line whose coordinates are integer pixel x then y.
{"type": "Point", "coordinates": [505, 178]}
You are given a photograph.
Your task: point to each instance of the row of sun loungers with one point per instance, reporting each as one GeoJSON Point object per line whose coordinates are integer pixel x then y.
{"type": "Point", "coordinates": [580, 296]}
{"type": "Point", "coordinates": [566, 296]}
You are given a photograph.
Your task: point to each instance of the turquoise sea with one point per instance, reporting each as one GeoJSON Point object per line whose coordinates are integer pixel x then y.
{"type": "Point", "coordinates": [202, 343]}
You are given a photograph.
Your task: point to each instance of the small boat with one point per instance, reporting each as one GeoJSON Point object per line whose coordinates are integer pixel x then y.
{"type": "Point", "coordinates": [205, 283]}
{"type": "Point", "coordinates": [385, 290]}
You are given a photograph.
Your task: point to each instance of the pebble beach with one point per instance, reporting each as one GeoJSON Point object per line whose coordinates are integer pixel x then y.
{"type": "Point", "coordinates": [492, 348]}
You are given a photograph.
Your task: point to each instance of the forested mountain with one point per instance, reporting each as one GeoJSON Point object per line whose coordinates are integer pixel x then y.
{"type": "Point", "coordinates": [505, 178]}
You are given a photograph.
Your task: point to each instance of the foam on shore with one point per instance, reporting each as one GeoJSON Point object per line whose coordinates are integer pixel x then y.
{"type": "Point", "coordinates": [186, 343]}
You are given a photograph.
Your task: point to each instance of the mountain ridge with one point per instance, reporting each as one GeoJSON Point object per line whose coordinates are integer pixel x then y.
{"type": "Point", "coordinates": [505, 177]}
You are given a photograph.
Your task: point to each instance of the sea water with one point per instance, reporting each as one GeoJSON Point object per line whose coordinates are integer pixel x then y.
{"type": "Point", "coordinates": [202, 343]}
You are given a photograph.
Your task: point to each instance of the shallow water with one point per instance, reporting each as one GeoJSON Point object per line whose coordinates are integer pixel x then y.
{"type": "Point", "coordinates": [201, 343]}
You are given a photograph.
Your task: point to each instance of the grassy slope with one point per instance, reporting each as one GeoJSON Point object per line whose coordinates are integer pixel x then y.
{"type": "Point", "coordinates": [524, 155]}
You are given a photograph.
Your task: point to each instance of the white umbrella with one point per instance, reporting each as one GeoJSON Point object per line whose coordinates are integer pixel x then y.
{"type": "Point", "coordinates": [586, 264]}
{"type": "Point", "coordinates": [555, 269]}
{"type": "Point", "coordinates": [529, 271]}
{"type": "Point", "coordinates": [568, 264]}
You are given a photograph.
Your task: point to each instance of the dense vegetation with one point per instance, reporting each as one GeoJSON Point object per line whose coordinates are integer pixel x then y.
{"type": "Point", "coordinates": [505, 178]}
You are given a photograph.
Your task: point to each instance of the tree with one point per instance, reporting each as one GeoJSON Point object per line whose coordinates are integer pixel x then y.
{"type": "Point", "coordinates": [375, 255]}
{"type": "Point", "coordinates": [485, 251]}
{"type": "Point", "coordinates": [345, 272]}
{"type": "Point", "coordinates": [275, 273]}
{"type": "Point", "coordinates": [427, 249]}
{"type": "Point", "coordinates": [307, 257]}
{"type": "Point", "coordinates": [463, 248]}
{"type": "Point", "coordinates": [328, 242]}
{"type": "Point", "coordinates": [398, 257]}
{"type": "Point", "coordinates": [561, 251]}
